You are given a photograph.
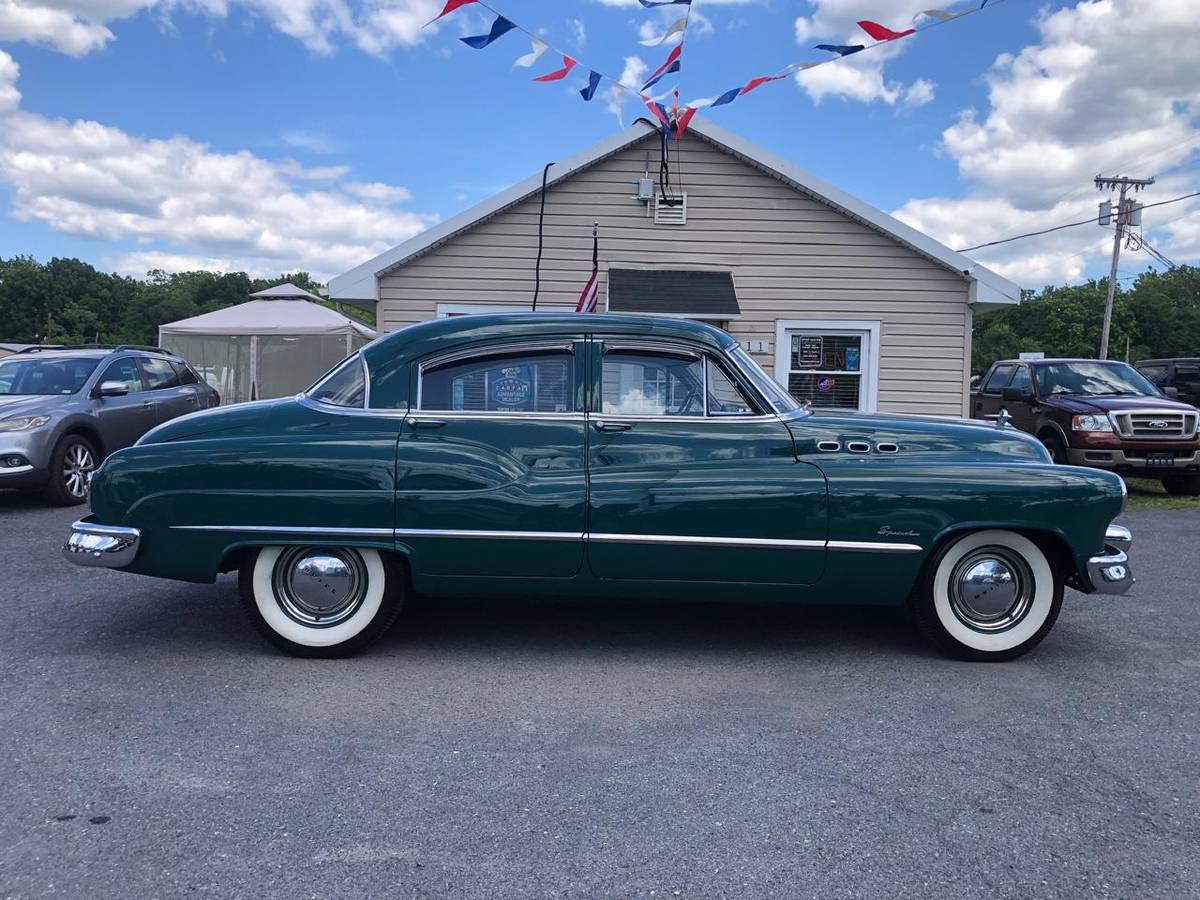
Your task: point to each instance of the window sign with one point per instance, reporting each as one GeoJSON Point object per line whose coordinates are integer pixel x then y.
{"type": "Point", "coordinates": [826, 384]}
{"type": "Point", "coordinates": [808, 351]}
{"type": "Point", "coordinates": [852, 359]}
{"type": "Point", "coordinates": [511, 387]}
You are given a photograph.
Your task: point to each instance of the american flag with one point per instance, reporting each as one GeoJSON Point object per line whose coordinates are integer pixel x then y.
{"type": "Point", "coordinates": [587, 300]}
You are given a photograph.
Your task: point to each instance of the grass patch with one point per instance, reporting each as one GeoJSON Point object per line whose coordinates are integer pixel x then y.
{"type": "Point", "coordinates": [1149, 494]}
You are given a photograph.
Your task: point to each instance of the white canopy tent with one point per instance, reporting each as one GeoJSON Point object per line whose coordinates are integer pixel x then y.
{"type": "Point", "coordinates": [277, 343]}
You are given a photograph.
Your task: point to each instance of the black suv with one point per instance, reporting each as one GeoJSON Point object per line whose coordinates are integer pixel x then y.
{"type": "Point", "coordinates": [63, 409]}
{"type": "Point", "coordinates": [1181, 375]}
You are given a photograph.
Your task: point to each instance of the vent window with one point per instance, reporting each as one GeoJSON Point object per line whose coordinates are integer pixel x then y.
{"type": "Point", "coordinates": [671, 211]}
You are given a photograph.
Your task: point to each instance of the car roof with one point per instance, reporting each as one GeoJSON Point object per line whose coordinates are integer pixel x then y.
{"type": "Point", "coordinates": [1057, 361]}
{"type": "Point", "coordinates": [444, 334]}
{"type": "Point", "coordinates": [83, 353]}
{"type": "Point", "coordinates": [1168, 359]}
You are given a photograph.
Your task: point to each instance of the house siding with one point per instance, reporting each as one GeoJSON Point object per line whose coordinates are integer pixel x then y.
{"type": "Point", "coordinates": [792, 257]}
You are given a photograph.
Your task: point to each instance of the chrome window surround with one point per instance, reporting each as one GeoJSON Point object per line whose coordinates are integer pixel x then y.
{"type": "Point", "coordinates": [336, 370]}
{"type": "Point", "coordinates": [668, 349]}
{"type": "Point", "coordinates": [538, 346]}
{"type": "Point", "coordinates": [680, 540]}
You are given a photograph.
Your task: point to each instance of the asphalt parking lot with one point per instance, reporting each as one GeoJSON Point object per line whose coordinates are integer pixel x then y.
{"type": "Point", "coordinates": [154, 746]}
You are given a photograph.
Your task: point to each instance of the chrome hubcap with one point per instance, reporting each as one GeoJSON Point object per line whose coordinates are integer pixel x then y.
{"type": "Point", "coordinates": [319, 587]}
{"type": "Point", "coordinates": [991, 589]}
{"type": "Point", "coordinates": [78, 465]}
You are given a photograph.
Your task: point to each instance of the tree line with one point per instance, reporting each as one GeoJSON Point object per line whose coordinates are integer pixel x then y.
{"type": "Point", "coordinates": [1158, 315]}
{"type": "Point", "coordinates": [67, 301]}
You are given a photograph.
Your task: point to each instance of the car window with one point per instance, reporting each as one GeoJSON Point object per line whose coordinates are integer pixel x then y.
{"type": "Point", "coordinates": [770, 388]}
{"type": "Point", "coordinates": [1185, 374]}
{"type": "Point", "coordinates": [158, 373]}
{"type": "Point", "coordinates": [44, 377]}
{"type": "Point", "coordinates": [650, 383]}
{"type": "Point", "coordinates": [495, 381]}
{"type": "Point", "coordinates": [125, 371]}
{"type": "Point", "coordinates": [346, 385]}
{"type": "Point", "coordinates": [184, 373]}
{"type": "Point", "coordinates": [998, 379]}
{"type": "Point", "coordinates": [1156, 374]}
{"type": "Point", "coordinates": [1021, 378]}
{"type": "Point", "coordinates": [1093, 378]}
{"type": "Point", "coordinates": [724, 397]}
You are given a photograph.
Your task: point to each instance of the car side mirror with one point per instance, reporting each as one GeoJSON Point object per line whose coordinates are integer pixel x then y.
{"type": "Point", "coordinates": [1016, 394]}
{"type": "Point", "coordinates": [112, 389]}
{"type": "Point", "coordinates": [1171, 393]}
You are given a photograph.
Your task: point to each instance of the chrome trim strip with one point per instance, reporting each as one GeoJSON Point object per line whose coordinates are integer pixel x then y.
{"type": "Point", "coordinates": [493, 414]}
{"type": "Point", "coordinates": [493, 535]}
{"type": "Point", "coordinates": [634, 417]}
{"type": "Point", "coordinates": [651, 346]}
{"type": "Point", "coordinates": [484, 352]}
{"type": "Point", "coordinates": [15, 470]}
{"type": "Point", "coordinates": [874, 547]}
{"type": "Point", "coordinates": [328, 408]}
{"type": "Point", "coordinates": [366, 381]}
{"type": "Point", "coordinates": [701, 541]}
{"type": "Point", "coordinates": [683, 540]}
{"type": "Point", "coordinates": [288, 529]}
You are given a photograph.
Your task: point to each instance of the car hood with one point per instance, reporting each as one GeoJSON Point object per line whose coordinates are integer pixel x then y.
{"type": "Point", "coordinates": [1079, 404]}
{"type": "Point", "coordinates": [936, 438]}
{"type": "Point", "coordinates": [27, 405]}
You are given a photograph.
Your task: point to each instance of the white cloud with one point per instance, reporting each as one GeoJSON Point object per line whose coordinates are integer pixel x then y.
{"type": "Point", "coordinates": [578, 32]}
{"type": "Point", "coordinates": [859, 76]}
{"type": "Point", "coordinates": [632, 76]}
{"type": "Point", "coordinates": [1062, 110]}
{"type": "Point", "coordinates": [310, 141]}
{"type": "Point", "coordinates": [183, 200]}
{"type": "Point", "coordinates": [78, 27]}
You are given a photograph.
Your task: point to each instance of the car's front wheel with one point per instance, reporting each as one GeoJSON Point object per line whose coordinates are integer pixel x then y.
{"type": "Point", "coordinates": [988, 596]}
{"type": "Point", "coordinates": [71, 467]}
{"type": "Point", "coordinates": [321, 601]}
{"type": "Point", "coordinates": [1187, 485]}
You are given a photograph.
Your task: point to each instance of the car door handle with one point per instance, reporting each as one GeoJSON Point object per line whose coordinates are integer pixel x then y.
{"type": "Point", "coordinates": [146, 404]}
{"type": "Point", "coordinates": [602, 425]}
{"type": "Point", "coordinates": [190, 399]}
{"type": "Point", "coordinates": [426, 423]}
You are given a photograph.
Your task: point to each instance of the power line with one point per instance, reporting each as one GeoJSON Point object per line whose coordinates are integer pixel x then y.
{"type": "Point", "coordinates": [1090, 221]}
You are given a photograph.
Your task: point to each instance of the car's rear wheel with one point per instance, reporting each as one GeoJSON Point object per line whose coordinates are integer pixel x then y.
{"type": "Point", "coordinates": [1058, 450]}
{"type": "Point", "coordinates": [321, 601]}
{"type": "Point", "coordinates": [71, 465]}
{"type": "Point", "coordinates": [1187, 485]}
{"type": "Point", "coordinates": [988, 596]}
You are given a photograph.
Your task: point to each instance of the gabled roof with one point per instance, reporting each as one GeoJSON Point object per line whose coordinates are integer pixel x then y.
{"type": "Point", "coordinates": [269, 317]}
{"type": "Point", "coordinates": [986, 287]}
{"type": "Point", "coordinates": [286, 291]}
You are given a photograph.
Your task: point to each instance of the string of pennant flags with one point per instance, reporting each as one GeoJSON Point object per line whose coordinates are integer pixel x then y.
{"type": "Point", "coordinates": [675, 121]}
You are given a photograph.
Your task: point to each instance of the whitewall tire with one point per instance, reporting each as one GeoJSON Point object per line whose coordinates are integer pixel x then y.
{"type": "Point", "coordinates": [988, 595]}
{"type": "Point", "coordinates": [320, 601]}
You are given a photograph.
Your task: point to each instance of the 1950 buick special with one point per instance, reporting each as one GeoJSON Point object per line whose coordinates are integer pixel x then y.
{"type": "Point", "coordinates": [563, 454]}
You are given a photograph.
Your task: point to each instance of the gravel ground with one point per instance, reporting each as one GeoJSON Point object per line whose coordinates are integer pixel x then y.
{"type": "Point", "coordinates": [156, 747]}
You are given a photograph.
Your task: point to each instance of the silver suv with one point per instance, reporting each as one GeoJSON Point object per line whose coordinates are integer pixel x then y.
{"type": "Point", "coordinates": [63, 409]}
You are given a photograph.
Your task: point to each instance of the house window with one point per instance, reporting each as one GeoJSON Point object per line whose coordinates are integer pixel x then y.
{"type": "Point", "coordinates": [831, 365]}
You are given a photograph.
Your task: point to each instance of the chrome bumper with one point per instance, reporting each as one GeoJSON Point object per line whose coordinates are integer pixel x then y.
{"type": "Point", "coordinates": [108, 546]}
{"type": "Point", "coordinates": [1110, 572]}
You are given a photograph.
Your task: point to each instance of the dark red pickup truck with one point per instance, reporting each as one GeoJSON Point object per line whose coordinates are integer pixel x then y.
{"type": "Point", "coordinates": [1098, 413]}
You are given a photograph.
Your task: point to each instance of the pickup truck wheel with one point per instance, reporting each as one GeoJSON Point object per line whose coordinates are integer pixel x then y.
{"type": "Point", "coordinates": [988, 596]}
{"type": "Point", "coordinates": [1058, 450]}
{"type": "Point", "coordinates": [71, 463]}
{"type": "Point", "coordinates": [325, 602]}
{"type": "Point", "coordinates": [1183, 485]}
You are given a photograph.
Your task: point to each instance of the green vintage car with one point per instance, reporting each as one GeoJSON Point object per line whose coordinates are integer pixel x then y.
{"type": "Point", "coordinates": [601, 455]}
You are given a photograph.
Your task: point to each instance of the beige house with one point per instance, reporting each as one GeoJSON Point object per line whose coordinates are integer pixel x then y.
{"type": "Point", "coordinates": [843, 304]}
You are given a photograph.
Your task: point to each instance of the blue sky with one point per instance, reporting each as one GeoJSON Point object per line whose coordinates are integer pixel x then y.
{"type": "Point", "coordinates": [311, 133]}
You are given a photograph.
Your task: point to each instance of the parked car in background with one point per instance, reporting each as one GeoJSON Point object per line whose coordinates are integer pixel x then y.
{"type": "Point", "coordinates": [1180, 376]}
{"type": "Point", "coordinates": [603, 455]}
{"type": "Point", "coordinates": [62, 410]}
{"type": "Point", "coordinates": [1098, 413]}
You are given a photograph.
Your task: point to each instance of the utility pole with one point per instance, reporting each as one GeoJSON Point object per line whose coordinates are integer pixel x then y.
{"type": "Point", "coordinates": [1125, 210]}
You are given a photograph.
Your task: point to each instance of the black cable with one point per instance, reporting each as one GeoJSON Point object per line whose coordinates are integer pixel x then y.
{"type": "Point", "coordinates": [537, 268]}
{"type": "Point", "coordinates": [1090, 221]}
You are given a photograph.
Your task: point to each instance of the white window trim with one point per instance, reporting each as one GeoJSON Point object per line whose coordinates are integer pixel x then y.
{"type": "Point", "coordinates": [451, 309]}
{"type": "Point", "coordinates": [868, 398]}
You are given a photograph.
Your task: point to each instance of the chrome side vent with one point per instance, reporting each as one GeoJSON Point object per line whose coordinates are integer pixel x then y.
{"type": "Point", "coordinates": [858, 447]}
{"type": "Point", "coordinates": [887, 448]}
{"type": "Point", "coordinates": [828, 446]}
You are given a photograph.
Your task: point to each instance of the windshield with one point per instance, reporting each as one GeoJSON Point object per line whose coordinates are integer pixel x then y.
{"type": "Point", "coordinates": [778, 397]}
{"type": "Point", "coordinates": [1093, 379]}
{"type": "Point", "coordinates": [44, 377]}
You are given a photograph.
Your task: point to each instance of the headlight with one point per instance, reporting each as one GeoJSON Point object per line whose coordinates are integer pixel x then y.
{"type": "Point", "coordinates": [23, 423]}
{"type": "Point", "coordinates": [1091, 423]}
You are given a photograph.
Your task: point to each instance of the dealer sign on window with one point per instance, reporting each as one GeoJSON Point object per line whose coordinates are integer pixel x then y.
{"type": "Point", "coordinates": [810, 350]}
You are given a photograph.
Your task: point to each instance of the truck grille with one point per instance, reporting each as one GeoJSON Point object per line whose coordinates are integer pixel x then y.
{"type": "Point", "coordinates": [1151, 423]}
